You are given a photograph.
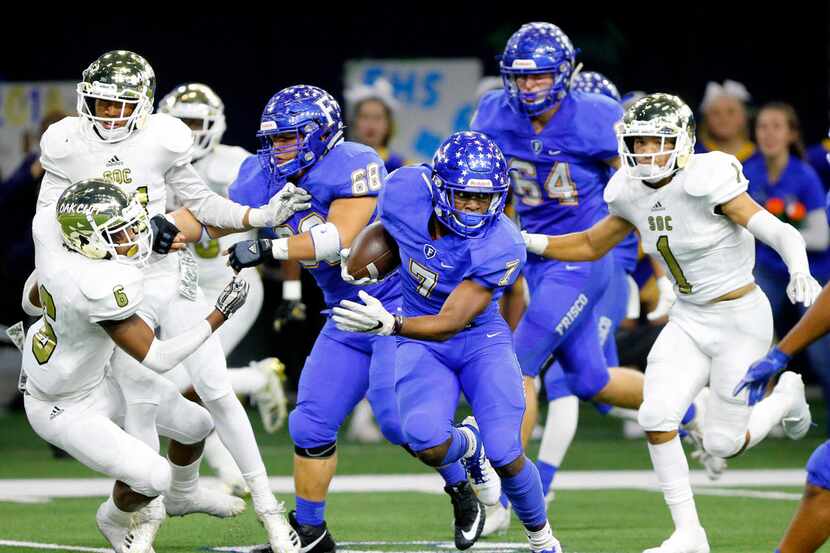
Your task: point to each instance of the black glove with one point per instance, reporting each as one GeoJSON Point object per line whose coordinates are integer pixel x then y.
{"type": "Point", "coordinates": [248, 253]}
{"type": "Point", "coordinates": [164, 232]}
{"type": "Point", "coordinates": [288, 311]}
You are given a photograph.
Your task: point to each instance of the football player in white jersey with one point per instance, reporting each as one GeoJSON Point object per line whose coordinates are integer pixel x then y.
{"type": "Point", "coordinates": [89, 288]}
{"type": "Point", "coordinates": [117, 137]}
{"type": "Point", "coordinates": [694, 215]}
{"type": "Point", "coordinates": [201, 109]}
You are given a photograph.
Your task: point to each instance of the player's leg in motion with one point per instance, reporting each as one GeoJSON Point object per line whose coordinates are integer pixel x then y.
{"type": "Point", "coordinates": [334, 378]}
{"type": "Point", "coordinates": [491, 381]}
{"type": "Point", "coordinates": [745, 330]}
{"type": "Point", "coordinates": [677, 370]}
{"type": "Point", "coordinates": [209, 374]}
{"type": "Point", "coordinates": [153, 401]}
{"type": "Point", "coordinates": [810, 527]}
{"type": "Point", "coordinates": [427, 392]}
{"type": "Point", "coordinates": [85, 429]}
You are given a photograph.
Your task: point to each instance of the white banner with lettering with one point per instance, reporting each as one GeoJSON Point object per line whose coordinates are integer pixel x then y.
{"type": "Point", "coordinates": [437, 98]}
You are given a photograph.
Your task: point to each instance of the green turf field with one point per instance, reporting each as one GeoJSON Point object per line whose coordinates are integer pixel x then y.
{"type": "Point", "coordinates": [595, 521]}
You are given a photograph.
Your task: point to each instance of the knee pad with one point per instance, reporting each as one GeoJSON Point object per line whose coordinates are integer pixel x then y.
{"type": "Point", "coordinates": [721, 444]}
{"type": "Point", "coordinates": [307, 432]}
{"type": "Point", "coordinates": [320, 452]}
{"type": "Point", "coordinates": [653, 416]}
{"type": "Point", "coordinates": [504, 448]}
{"type": "Point", "coordinates": [157, 479]}
{"type": "Point", "coordinates": [421, 432]}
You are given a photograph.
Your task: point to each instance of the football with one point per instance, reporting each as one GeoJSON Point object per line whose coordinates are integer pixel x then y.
{"type": "Point", "coordinates": [374, 253]}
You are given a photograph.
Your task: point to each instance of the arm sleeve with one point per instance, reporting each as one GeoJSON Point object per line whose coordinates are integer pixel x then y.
{"type": "Point", "coordinates": [781, 237]}
{"type": "Point", "coordinates": [163, 355]}
{"type": "Point", "coordinates": [207, 206]}
{"type": "Point", "coordinates": [815, 231]}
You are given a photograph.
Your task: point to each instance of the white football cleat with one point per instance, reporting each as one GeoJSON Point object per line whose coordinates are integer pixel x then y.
{"type": "Point", "coordinates": [483, 477]}
{"type": "Point", "coordinates": [714, 466]}
{"type": "Point", "coordinates": [143, 528]}
{"type": "Point", "coordinates": [114, 532]}
{"type": "Point", "coordinates": [542, 541]}
{"type": "Point", "coordinates": [496, 520]}
{"type": "Point", "coordinates": [282, 537]}
{"type": "Point", "coordinates": [270, 400]}
{"type": "Point", "coordinates": [202, 500]}
{"type": "Point", "coordinates": [684, 541]}
{"type": "Point", "coordinates": [798, 419]}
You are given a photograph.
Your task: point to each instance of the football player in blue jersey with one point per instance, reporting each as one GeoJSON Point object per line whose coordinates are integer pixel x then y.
{"type": "Point", "coordinates": [458, 253]}
{"type": "Point", "coordinates": [301, 132]}
{"type": "Point", "coordinates": [561, 148]}
{"type": "Point", "coordinates": [810, 527]}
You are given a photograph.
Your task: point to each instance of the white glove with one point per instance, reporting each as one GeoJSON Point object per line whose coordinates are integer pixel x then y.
{"type": "Point", "coordinates": [285, 203]}
{"type": "Point", "coordinates": [371, 317]}
{"type": "Point", "coordinates": [232, 297]}
{"type": "Point", "coordinates": [803, 288]}
{"type": "Point", "coordinates": [667, 299]}
{"type": "Point", "coordinates": [344, 271]}
{"type": "Point", "coordinates": [535, 243]}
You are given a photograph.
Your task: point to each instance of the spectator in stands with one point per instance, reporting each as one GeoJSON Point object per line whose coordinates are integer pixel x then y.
{"type": "Point", "coordinates": [725, 123]}
{"type": "Point", "coordinates": [18, 196]}
{"type": "Point", "coordinates": [783, 182]}
{"type": "Point", "coordinates": [371, 116]}
{"type": "Point", "coordinates": [817, 157]}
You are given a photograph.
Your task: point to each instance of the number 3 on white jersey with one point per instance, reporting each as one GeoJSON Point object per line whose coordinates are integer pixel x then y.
{"type": "Point", "coordinates": [558, 186]}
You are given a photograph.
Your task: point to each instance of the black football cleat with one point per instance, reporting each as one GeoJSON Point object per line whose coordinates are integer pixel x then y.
{"type": "Point", "coordinates": [468, 512]}
{"type": "Point", "coordinates": [313, 539]}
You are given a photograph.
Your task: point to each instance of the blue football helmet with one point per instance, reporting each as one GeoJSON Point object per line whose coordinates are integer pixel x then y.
{"type": "Point", "coordinates": [597, 83]}
{"type": "Point", "coordinates": [468, 162]}
{"type": "Point", "coordinates": [534, 49]}
{"type": "Point", "coordinates": [308, 113]}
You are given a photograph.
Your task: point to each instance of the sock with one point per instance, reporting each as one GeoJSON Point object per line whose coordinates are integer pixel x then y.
{"type": "Point", "coordinates": [525, 493]}
{"type": "Point", "coordinates": [452, 473]}
{"type": "Point", "coordinates": [310, 512]}
{"type": "Point", "coordinates": [261, 495]}
{"type": "Point", "coordinates": [219, 458]}
{"type": "Point", "coordinates": [111, 512]}
{"type": "Point", "coordinates": [766, 415]}
{"type": "Point", "coordinates": [546, 474]}
{"type": "Point", "coordinates": [234, 428]}
{"type": "Point", "coordinates": [560, 428]}
{"type": "Point", "coordinates": [463, 439]}
{"type": "Point", "coordinates": [185, 479]}
{"type": "Point", "coordinates": [673, 474]}
{"type": "Point", "coordinates": [503, 500]}
{"type": "Point", "coordinates": [246, 381]}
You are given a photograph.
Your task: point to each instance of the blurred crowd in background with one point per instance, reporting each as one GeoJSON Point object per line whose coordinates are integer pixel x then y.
{"type": "Point", "coordinates": [789, 174]}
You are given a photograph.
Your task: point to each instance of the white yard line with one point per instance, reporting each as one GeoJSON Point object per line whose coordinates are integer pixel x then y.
{"type": "Point", "coordinates": [34, 489]}
{"type": "Point", "coordinates": [52, 546]}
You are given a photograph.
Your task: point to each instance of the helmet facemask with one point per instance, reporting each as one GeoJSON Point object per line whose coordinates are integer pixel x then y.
{"type": "Point", "coordinates": [112, 129]}
{"type": "Point", "coordinates": [674, 143]}
{"type": "Point", "coordinates": [269, 153]}
{"type": "Point", "coordinates": [465, 223]}
{"type": "Point", "coordinates": [540, 101]}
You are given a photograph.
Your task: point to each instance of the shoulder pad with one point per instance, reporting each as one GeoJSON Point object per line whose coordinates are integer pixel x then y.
{"type": "Point", "coordinates": [614, 188]}
{"type": "Point", "coordinates": [101, 277]}
{"type": "Point", "coordinates": [173, 134]}
{"type": "Point", "coordinates": [708, 172]}
{"type": "Point", "coordinates": [56, 141]}
{"type": "Point", "coordinates": [486, 114]}
{"type": "Point", "coordinates": [224, 163]}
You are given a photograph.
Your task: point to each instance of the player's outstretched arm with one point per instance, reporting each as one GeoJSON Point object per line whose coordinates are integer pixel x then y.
{"type": "Point", "coordinates": [781, 237]}
{"type": "Point", "coordinates": [347, 217]}
{"type": "Point", "coordinates": [588, 245]}
{"type": "Point", "coordinates": [463, 304]}
{"type": "Point", "coordinates": [813, 325]}
{"type": "Point", "coordinates": [135, 337]}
